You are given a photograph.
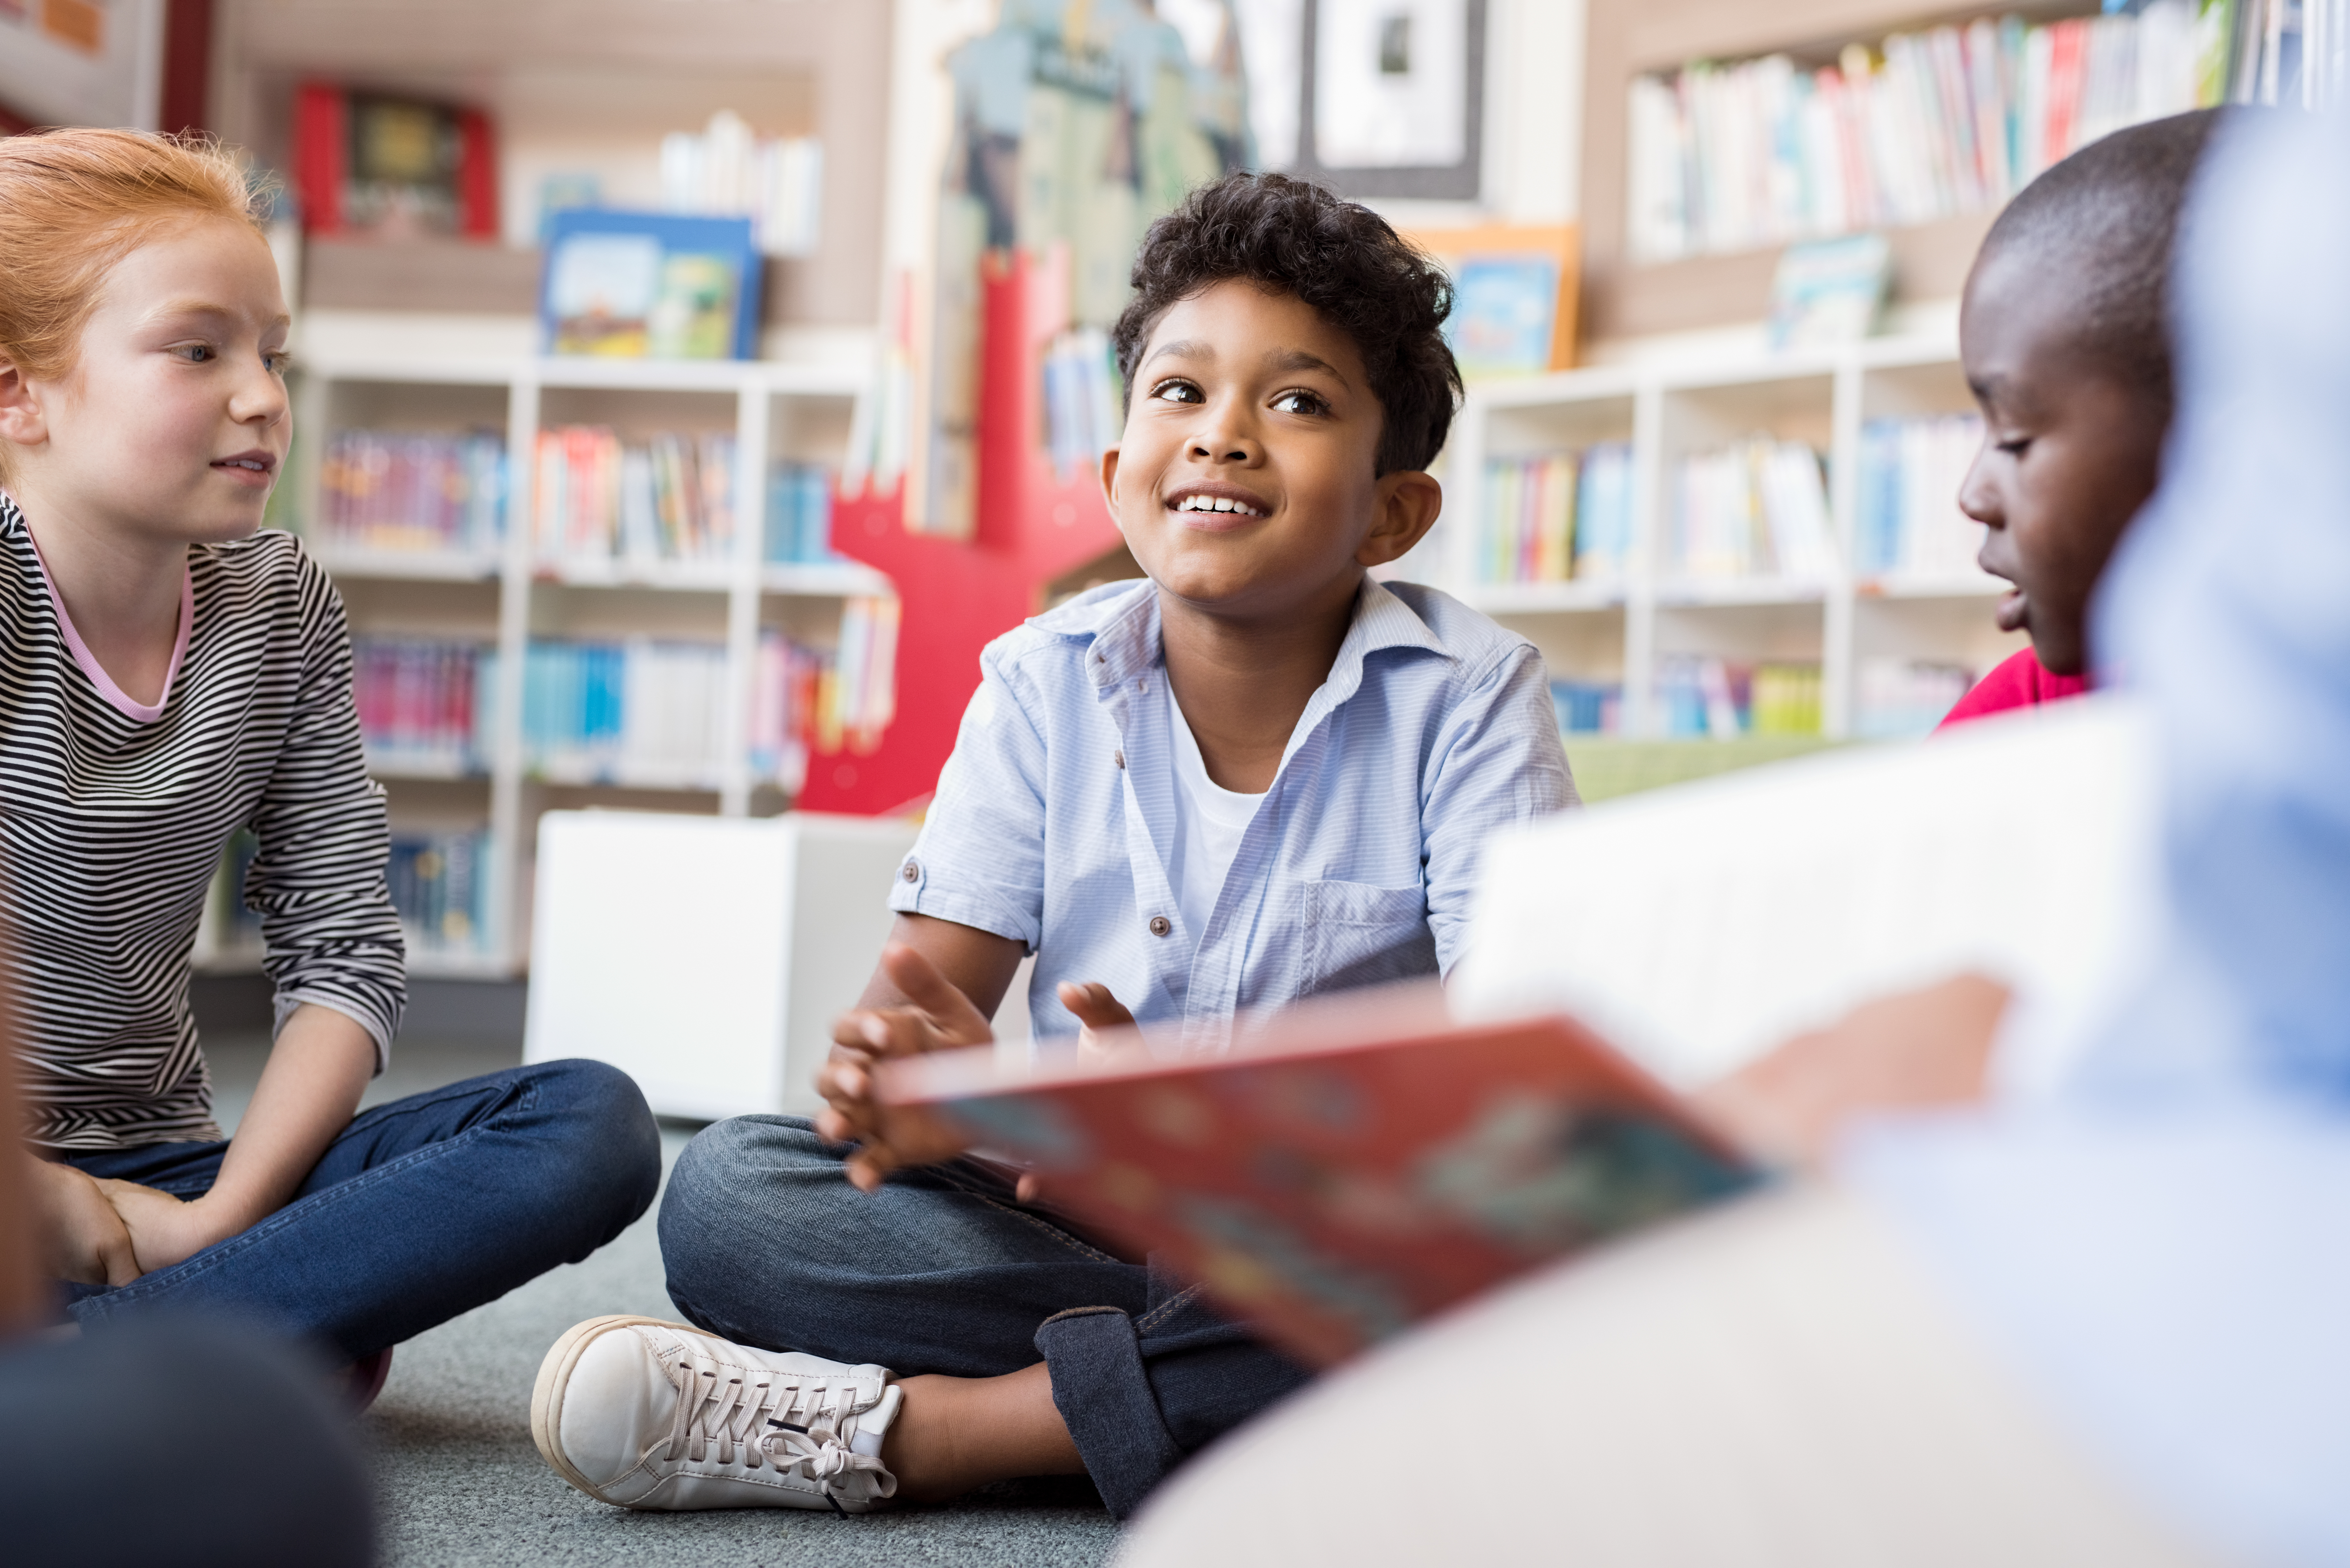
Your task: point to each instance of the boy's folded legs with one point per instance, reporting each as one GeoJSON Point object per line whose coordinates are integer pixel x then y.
{"type": "Point", "coordinates": [420, 1209]}
{"type": "Point", "coordinates": [942, 1271]}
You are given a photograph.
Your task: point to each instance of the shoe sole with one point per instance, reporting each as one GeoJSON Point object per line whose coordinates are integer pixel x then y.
{"type": "Point", "coordinates": [555, 1376]}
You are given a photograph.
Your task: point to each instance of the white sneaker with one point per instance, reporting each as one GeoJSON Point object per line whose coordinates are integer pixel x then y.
{"type": "Point", "coordinates": [647, 1413]}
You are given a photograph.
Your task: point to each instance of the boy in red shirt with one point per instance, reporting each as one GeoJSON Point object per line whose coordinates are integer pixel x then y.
{"type": "Point", "coordinates": [2065, 333]}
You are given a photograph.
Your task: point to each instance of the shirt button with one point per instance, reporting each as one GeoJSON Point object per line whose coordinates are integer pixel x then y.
{"type": "Point", "coordinates": [1161, 925]}
{"type": "Point", "coordinates": [1119, 757]}
{"type": "Point", "coordinates": [912, 871]}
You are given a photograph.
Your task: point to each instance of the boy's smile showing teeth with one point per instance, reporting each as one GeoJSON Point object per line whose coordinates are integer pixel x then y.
{"type": "Point", "coordinates": [1220, 499]}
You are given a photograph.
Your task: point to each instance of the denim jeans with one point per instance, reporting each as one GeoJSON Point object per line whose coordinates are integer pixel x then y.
{"type": "Point", "coordinates": [767, 1244]}
{"type": "Point", "coordinates": [419, 1210]}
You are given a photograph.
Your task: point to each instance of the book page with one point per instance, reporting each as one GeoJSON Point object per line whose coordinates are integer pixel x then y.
{"type": "Point", "coordinates": [1698, 927]}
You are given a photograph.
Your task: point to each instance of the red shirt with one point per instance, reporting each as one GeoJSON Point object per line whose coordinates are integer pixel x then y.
{"type": "Point", "coordinates": [2019, 681]}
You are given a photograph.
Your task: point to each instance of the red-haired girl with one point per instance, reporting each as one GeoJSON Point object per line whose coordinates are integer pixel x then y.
{"type": "Point", "coordinates": [172, 674]}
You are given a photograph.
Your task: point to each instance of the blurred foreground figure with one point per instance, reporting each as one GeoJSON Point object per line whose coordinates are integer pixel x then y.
{"type": "Point", "coordinates": [163, 1442]}
{"type": "Point", "coordinates": [2110, 1330]}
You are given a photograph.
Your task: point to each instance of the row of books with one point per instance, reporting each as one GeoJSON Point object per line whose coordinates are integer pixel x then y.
{"type": "Point", "coordinates": [775, 181]}
{"type": "Point", "coordinates": [389, 489]}
{"type": "Point", "coordinates": [809, 701]}
{"type": "Point", "coordinates": [599, 498]}
{"type": "Point", "coordinates": [1949, 121]}
{"type": "Point", "coordinates": [1910, 474]}
{"type": "Point", "coordinates": [1700, 695]}
{"type": "Point", "coordinates": [1758, 509]}
{"type": "Point", "coordinates": [1588, 707]}
{"type": "Point", "coordinates": [1082, 415]}
{"type": "Point", "coordinates": [421, 702]}
{"type": "Point", "coordinates": [799, 514]}
{"type": "Point", "coordinates": [638, 711]}
{"type": "Point", "coordinates": [1558, 515]}
{"type": "Point", "coordinates": [438, 878]}
{"type": "Point", "coordinates": [440, 885]}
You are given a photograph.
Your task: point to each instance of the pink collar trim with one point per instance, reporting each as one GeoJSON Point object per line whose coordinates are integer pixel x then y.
{"type": "Point", "coordinates": [119, 699]}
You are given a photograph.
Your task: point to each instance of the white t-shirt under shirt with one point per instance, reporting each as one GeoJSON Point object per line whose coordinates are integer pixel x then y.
{"type": "Point", "coordinates": [1210, 821]}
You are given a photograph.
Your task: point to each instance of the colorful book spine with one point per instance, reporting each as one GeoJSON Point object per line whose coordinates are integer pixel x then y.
{"type": "Point", "coordinates": [389, 489]}
{"type": "Point", "coordinates": [1082, 418]}
{"type": "Point", "coordinates": [1911, 472]}
{"type": "Point", "coordinates": [799, 516]}
{"type": "Point", "coordinates": [1557, 516]}
{"type": "Point", "coordinates": [1588, 707]}
{"type": "Point", "coordinates": [599, 498]}
{"type": "Point", "coordinates": [1702, 696]}
{"type": "Point", "coordinates": [419, 703]}
{"type": "Point", "coordinates": [807, 701]}
{"type": "Point", "coordinates": [1756, 509]}
{"type": "Point", "coordinates": [1923, 126]}
{"type": "Point", "coordinates": [438, 881]}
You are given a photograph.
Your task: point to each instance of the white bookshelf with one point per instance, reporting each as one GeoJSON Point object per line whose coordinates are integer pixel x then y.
{"type": "Point", "coordinates": [506, 597]}
{"type": "Point", "coordinates": [1620, 631]}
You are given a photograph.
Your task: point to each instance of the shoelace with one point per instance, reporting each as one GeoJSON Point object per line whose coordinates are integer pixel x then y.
{"type": "Point", "coordinates": [775, 1419]}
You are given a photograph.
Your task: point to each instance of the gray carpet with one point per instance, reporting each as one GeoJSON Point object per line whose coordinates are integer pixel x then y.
{"type": "Point", "coordinates": [460, 1484]}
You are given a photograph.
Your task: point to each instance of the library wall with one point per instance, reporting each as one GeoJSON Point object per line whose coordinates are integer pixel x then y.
{"type": "Point", "coordinates": [601, 73]}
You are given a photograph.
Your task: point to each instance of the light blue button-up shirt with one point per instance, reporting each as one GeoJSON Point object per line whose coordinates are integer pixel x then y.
{"type": "Point", "coordinates": [1053, 818]}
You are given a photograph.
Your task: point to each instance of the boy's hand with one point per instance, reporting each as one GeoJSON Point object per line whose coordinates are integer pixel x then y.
{"type": "Point", "coordinates": [83, 1239]}
{"type": "Point", "coordinates": [1097, 1009]}
{"type": "Point", "coordinates": [1920, 1049]}
{"type": "Point", "coordinates": [165, 1230]}
{"type": "Point", "coordinates": [939, 1018]}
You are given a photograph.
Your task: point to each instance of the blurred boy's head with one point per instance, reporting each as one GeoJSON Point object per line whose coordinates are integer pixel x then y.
{"type": "Point", "coordinates": [2065, 335]}
{"type": "Point", "coordinates": [1287, 385]}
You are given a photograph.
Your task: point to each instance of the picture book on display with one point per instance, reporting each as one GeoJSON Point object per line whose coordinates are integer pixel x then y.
{"type": "Point", "coordinates": [1353, 1166]}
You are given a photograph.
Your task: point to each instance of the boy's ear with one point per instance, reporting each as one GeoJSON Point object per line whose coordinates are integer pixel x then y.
{"type": "Point", "coordinates": [1408, 504]}
{"type": "Point", "coordinates": [22, 423]}
{"type": "Point", "coordinates": [1109, 480]}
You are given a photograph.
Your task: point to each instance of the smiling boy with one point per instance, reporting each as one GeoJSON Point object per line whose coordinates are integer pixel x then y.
{"type": "Point", "coordinates": [2065, 337]}
{"type": "Point", "coordinates": [1258, 776]}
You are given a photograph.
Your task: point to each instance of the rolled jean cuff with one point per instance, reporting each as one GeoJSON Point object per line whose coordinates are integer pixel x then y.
{"type": "Point", "coordinates": [1104, 1398]}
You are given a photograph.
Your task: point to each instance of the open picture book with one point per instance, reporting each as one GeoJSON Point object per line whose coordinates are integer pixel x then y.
{"type": "Point", "coordinates": [1357, 1163]}
{"type": "Point", "coordinates": [1353, 1165]}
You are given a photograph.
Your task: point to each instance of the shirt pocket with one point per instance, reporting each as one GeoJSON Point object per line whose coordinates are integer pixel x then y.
{"type": "Point", "coordinates": [1357, 934]}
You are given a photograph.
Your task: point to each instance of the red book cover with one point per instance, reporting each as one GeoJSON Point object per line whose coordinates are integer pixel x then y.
{"type": "Point", "coordinates": [2068, 56]}
{"type": "Point", "coordinates": [321, 155]}
{"type": "Point", "coordinates": [1351, 1167]}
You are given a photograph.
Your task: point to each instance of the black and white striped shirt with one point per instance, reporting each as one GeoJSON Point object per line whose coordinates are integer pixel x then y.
{"type": "Point", "coordinates": [111, 828]}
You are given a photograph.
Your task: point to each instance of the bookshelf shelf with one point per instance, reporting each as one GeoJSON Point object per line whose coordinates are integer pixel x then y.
{"type": "Point", "coordinates": [1545, 599]}
{"type": "Point", "coordinates": [410, 566]}
{"type": "Point", "coordinates": [1644, 628]}
{"type": "Point", "coordinates": [507, 595]}
{"type": "Point", "coordinates": [666, 576]}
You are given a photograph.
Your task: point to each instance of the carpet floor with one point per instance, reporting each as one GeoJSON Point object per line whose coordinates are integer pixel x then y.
{"type": "Point", "coordinates": [460, 1484]}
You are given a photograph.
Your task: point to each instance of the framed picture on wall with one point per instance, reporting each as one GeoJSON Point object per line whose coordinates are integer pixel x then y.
{"type": "Point", "coordinates": [1389, 98]}
{"type": "Point", "coordinates": [637, 285]}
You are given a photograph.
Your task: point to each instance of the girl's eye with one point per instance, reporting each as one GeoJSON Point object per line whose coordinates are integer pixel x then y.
{"type": "Point", "coordinates": [1297, 400]}
{"type": "Point", "coordinates": [1177, 392]}
{"type": "Point", "coordinates": [2013, 448]}
{"type": "Point", "coordinates": [194, 353]}
{"type": "Point", "coordinates": [279, 363]}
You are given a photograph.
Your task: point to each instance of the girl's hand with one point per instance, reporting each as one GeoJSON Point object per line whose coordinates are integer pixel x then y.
{"type": "Point", "coordinates": [165, 1230]}
{"type": "Point", "coordinates": [83, 1239]}
{"type": "Point", "coordinates": [939, 1018]}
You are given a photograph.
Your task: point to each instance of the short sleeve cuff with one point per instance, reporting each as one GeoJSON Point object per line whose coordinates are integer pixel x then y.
{"type": "Point", "coordinates": [918, 892]}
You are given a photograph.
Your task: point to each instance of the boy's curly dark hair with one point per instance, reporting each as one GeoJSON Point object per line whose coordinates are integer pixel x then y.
{"type": "Point", "coordinates": [1295, 237]}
